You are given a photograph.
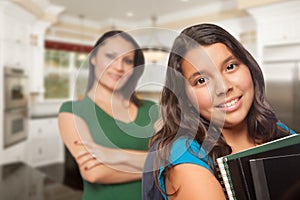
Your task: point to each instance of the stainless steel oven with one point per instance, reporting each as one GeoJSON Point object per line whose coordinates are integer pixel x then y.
{"type": "Point", "coordinates": [15, 126]}
{"type": "Point", "coordinates": [15, 106]}
{"type": "Point", "coordinates": [16, 92]}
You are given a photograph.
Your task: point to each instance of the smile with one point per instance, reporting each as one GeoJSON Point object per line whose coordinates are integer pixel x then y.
{"type": "Point", "coordinates": [230, 103]}
{"type": "Point", "coordinates": [115, 77]}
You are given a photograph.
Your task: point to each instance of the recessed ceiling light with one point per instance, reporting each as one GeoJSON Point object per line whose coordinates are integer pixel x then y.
{"type": "Point", "coordinates": [129, 14]}
{"type": "Point", "coordinates": [184, 0]}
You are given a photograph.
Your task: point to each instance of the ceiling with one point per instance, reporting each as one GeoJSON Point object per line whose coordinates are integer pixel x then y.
{"type": "Point", "coordinates": [84, 20]}
{"type": "Point", "coordinates": [70, 17]}
{"type": "Point", "coordinates": [139, 12]}
{"type": "Point", "coordinates": [105, 14]}
{"type": "Point", "coordinates": [169, 13]}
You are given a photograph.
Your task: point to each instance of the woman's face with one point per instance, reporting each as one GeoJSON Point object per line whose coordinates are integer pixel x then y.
{"type": "Point", "coordinates": [114, 62]}
{"type": "Point", "coordinates": [218, 84]}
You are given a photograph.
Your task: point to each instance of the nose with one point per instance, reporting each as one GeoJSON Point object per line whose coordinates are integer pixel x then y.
{"type": "Point", "coordinates": [118, 64]}
{"type": "Point", "coordinates": [223, 85]}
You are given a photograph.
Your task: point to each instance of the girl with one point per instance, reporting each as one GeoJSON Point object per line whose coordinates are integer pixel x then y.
{"type": "Point", "coordinates": [213, 104]}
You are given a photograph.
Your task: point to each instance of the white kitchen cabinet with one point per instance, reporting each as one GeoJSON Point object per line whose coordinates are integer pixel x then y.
{"type": "Point", "coordinates": [277, 23]}
{"type": "Point", "coordinates": [15, 36]}
{"type": "Point", "coordinates": [16, 54]}
{"type": "Point", "coordinates": [15, 24]}
{"type": "Point", "coordinates": [283, 30]}
{"type": "Point", "coordinates": [44, 145]}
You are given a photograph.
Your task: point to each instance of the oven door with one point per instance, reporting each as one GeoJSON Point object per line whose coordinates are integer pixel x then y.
{"type": "Point", "coordinates": [15, 90]}
{"type": "Point", "coordinates": [15, 126]}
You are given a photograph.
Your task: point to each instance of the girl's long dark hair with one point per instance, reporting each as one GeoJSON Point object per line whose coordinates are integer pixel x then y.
{"type": "Point", "coordinates": [179, 119]}
{"type": "Point", "coordinates": [128, 90]}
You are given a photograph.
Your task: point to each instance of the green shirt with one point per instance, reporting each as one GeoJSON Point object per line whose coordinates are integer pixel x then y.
{"type": "Point", "coordinates": [113, 133]}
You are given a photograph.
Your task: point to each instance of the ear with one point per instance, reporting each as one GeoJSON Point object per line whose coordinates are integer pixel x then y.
{"type": "Point", "coordinates": [93, 60]}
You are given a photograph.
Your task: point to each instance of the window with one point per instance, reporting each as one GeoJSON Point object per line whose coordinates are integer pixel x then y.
{"type": "Point", "coordinates": [65, 72]}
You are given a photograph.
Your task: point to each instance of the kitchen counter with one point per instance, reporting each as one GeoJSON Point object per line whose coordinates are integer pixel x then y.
{"type": "Point", "coordinates": [43, 116]}
{"type": "Point", "coordinates": [19, 181]}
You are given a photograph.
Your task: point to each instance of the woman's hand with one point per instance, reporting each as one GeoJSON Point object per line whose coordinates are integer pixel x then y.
{"type": "Point", "coordinates": [105, 155]}
{"type": "Point", "coordinates": [94, 160]}
{"type": "Point", "coordinates": [87, 160]}
{"type": "Point", "coordinates": [113, 157]}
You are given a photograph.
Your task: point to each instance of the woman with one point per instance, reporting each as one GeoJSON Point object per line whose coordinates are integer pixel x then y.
{"type": "Point", "coordinates": [108, 130]}
{"type": "Point", "coordinates": [213, 104]}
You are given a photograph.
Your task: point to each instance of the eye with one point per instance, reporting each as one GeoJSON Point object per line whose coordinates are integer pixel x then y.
{"type": "Point", "coordinates": [231, 67]}
{"type": "Point", "coordinates": [201, 81]}
{"type": "Point", "coordinates": [110, 56]}
{"type": "Point", "coordinates": [128, 61]}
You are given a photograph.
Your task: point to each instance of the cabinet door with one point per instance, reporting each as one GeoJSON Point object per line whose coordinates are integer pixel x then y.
{"type": "Point", "coordinates": [15, 34]}
{"type": "Point", "coordinates": [44, 143]}
{"type": "Point", "coordinates": [39, 151]}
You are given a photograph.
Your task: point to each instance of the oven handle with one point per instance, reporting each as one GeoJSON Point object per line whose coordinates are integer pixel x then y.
{"type": "Point", "coordinates": [23, 110]}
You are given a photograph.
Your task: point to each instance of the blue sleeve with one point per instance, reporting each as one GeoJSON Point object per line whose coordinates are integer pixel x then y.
{"type": "Point", "coordinates": [184, 150]}
{"type": "Point", "coordinates": [285, 127]}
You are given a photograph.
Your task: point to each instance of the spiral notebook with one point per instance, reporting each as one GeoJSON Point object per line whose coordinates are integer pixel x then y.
{"type": "Point", "coordinates": [235, 171]}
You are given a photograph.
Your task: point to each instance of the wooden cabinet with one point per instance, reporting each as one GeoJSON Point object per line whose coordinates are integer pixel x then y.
{"type": "Point", "coordinates": [44, 144]}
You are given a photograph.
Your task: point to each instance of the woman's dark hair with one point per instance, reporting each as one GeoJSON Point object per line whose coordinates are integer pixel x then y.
{"type": "Point", "coordinates": [128, 90]}
{"type": "Point", "coordinates": [180, 119]}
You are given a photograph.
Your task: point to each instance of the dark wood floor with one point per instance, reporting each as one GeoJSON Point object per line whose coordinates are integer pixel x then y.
{"type": "Point", "coordinates": [54, 171]}
{"type": "Point", "coordinates": [58, 172]}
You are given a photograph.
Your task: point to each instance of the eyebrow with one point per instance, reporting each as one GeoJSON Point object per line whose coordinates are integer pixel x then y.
{"type": "Point", "coordinates": [111, 51]}
{"type": "Point", "coordinates": [194, 75]}
{"type": "Point", "coordinates": [231, 57]}
{"type": "Point", "coordinates": [114, 53]}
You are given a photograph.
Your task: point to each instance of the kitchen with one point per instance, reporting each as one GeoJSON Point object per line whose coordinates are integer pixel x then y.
{"type": "Point", "coordinates": [269, 29]}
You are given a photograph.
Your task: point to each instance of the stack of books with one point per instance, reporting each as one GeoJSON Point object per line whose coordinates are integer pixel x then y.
{"type": "Point", "coordinates": [270, 171]}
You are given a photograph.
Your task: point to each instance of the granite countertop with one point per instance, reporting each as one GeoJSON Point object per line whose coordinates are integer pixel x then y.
{"type": "Point", "coordinates": [19, 181]}
{"type": "Point", "coordinates": [44, 116]}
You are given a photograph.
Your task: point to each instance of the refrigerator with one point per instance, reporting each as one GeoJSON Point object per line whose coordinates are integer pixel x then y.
{"type": "Point", "coordinates": [282, 78]}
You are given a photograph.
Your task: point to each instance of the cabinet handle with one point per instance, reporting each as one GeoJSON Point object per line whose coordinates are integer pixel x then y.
{"type": "Point", "coordinates": [40, 151]}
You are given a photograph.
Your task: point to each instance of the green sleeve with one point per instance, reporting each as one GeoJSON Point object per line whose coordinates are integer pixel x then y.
{"type": "Point", "coordinates": [66, 107]}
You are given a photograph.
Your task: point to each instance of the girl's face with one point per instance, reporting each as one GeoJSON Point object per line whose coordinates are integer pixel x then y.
{"type": "Point", "coordinates": [114, 62]}
{"type": "Point", "coordinates": [218, 84]}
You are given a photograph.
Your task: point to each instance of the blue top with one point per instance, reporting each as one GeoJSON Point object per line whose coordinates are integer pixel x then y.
{"type": "Point", "coordinates": [185, 150]}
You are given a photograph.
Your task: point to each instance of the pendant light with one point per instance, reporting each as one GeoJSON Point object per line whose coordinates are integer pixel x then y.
{"type": "Point", "coordinates": [155, 51]}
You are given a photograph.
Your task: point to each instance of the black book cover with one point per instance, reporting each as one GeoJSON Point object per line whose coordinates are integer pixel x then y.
{"type": "Point", "coordinates": [276, 178]}
{"type": "Point", "coordinates": [240, 171]}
